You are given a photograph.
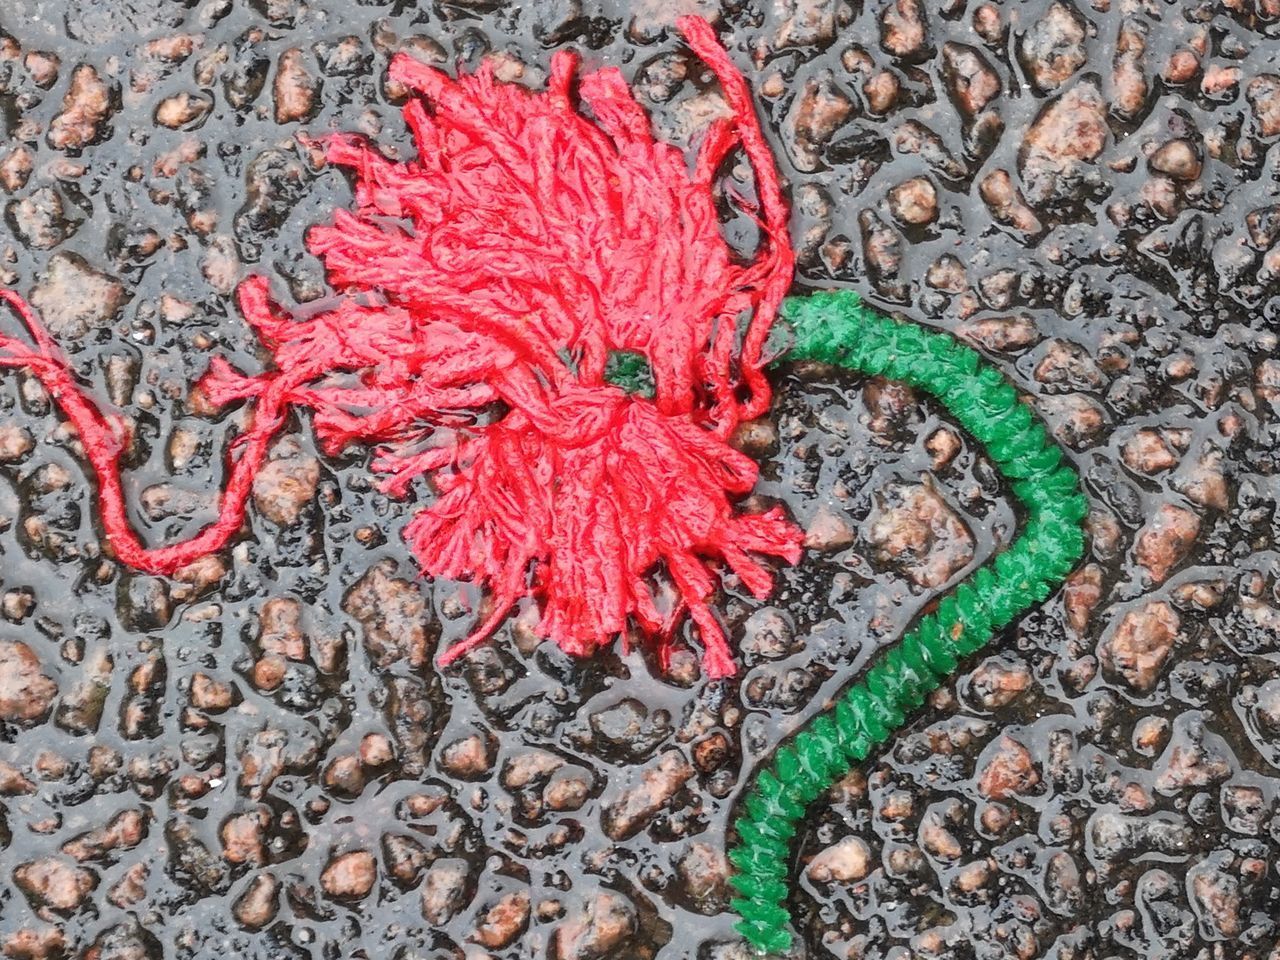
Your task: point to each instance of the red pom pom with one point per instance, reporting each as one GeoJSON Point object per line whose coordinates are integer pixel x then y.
{"type": "Point", "coordinates": [487, 283]}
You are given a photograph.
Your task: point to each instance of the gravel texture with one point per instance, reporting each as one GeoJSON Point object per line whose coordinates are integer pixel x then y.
{"type": "Point", "coordinates": [258, 757]}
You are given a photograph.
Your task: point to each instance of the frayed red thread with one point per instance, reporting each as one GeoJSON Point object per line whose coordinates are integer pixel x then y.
{"type": "Point", "coordinates": [487, 283]}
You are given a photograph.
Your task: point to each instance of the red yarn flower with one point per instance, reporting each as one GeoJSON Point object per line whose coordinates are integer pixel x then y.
{"type": "Point", "coordinates": [489, 286]}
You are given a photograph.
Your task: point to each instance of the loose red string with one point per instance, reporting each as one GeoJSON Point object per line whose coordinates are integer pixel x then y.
{"type": "Point", "coordinates": [486, 284]}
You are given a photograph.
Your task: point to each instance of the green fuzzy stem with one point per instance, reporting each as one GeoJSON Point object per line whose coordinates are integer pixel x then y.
{"type": "Point", "coordinates": [837, 328]}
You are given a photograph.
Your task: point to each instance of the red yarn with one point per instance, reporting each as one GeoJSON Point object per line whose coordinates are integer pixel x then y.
{"type": "Point", "coordinates": [486, 284]}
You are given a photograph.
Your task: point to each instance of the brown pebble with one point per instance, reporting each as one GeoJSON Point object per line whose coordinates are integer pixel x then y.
{"type": "Point", "coordinates": [881, 90]}
{"type": "Point", "coordinates": [74, 298]}
{"type": "Point", "coordinates": [85, 110]}
{"type": "Point", "coordinates": [286, 483]}
{"type": "Point", "coordinates": [1183, 66]}
{"type": "Point", "coordinates": [1006, 203]}
{"type": "Point", "coordinates": [295, 88]}
{"type": "Point", "coordinates": [26, 692]}
{"type": "Point", "coordinates": [503, 922]}
{"type": "Point", "coordinates": [16, 167]}
{"type": "Point", "coordinates": [597, 931]}
{"type": "Point", "coordinates": [257, 906]}
{"type": "Point", "coordinates": [376, 750]}
{"type": "Point", "coordinates": [1053, 49]}
{"type": "Point", "coordinates": [987, 23]}
{"type": "Point", "coordinates": [916, 529]}
{"type": "Point", "coordinates": [445, 890]}
{"type": "Point", "coordinates": [345, 775]}
{"type": "Point", "coordinates": [1009, 771]}
{"type": "Point", "coordinates": [902, 28]}
{"type": "Point", "coordinates": [1178, 159]}
{"type": "Point", "coordinates": [819, 110]}
{"type": "Point", "coordinates": [210, 694]}
{"type": "Point", "coordinates": [1063, 142]}
{"type": "Point", "coordinates": [829, 531]}
{"type": "Point", "coordinates": [658, 784]}
{"type": "Point", "coordinates": [43, 67]}
{"type": "Point", "coordinates": [269, 672]}
{"type": "Point", "coordinates": [55, 883]}
{"type": "Point", "coordinates": [847, 861]}
{"type": "Point", "coordinates": [971, 81]}
{"type": "Point", "coordinates": [914, 202]}
{"type": "Point", "coordinates": [1148, 452]}
{"type": "Point", "coordinates": [350, 876]}
{"type": "Point", "coordinates": [1166, 540]}
{"type": "Point", "coordinates": [1080, 594]}
{"type": "Point", "coordinates": [1141, 644]}
{"type": "Point", "coordinates": [181, 110]}
{"type": "Point", "coordinates": [468, 758]}
{"type": "Point", "coordinates": [243, 837]}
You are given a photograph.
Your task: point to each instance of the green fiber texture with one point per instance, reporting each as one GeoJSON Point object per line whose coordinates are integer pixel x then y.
{"type": "Point", "coordinates": [838, 328]}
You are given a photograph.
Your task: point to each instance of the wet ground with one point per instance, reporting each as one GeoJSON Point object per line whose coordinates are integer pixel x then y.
{"type": "Point", "coordinates": [260, 759]}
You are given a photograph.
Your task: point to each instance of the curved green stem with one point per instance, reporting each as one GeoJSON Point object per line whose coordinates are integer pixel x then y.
{"type": "Point", "coordinates": [838, 328]}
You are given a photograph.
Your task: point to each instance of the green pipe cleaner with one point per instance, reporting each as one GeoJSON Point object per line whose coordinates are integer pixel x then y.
{"type": "Point", "coordinates": [838, 328]}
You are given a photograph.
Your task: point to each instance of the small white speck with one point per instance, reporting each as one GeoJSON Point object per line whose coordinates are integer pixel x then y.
{"type": "Point", "coordinates": [215, 782]}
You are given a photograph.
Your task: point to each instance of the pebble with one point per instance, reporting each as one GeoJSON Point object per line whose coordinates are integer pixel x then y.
{"type": "Point", "coordinates": [1007, 770]}
{"type": "Point", "coordinates": [987, 23]}
{"type": "Point", "coordinates": [970, 80]}
{"type": "Point", "coordinates": [26, 691]}
{"type": "Point", "coordinates": [55, 883]}
{"type": "Point", "coordinates": [1148, 452]}
{"type": "Point", "coordinates": [85, 111]}
{"type": "Point", "coordinates": [1218, 899]}
{"type": "Point", "coordinates": [504, 922]}
{"type": "Point", "coordinates": [595, 931]}
{"type": "Point", "coordinates": [15, 442]}
{"type": "Point", "coordinates": [124, 831]}
{"type": "Point", "coordinates": [636, 806]}
{"type": "Point", "coordinates": [15, 168]}
{"type": "Point", "coordinates": [296, 89]}
{"type": "Point", "coordinates": [997, 682]}
{"type": "Point", "coordinates": [1053, 49]}
{"type": "Point", "coordinates": [258, 904]}
{"type": "Point", "coordinates": [1139, 647]}
{"type": "Point", "coordinates": [1080, 595]}
{"type": "Point", "coordinates": [1128, 73]}
{"type": "Point", "coordinates": [286, 484]}
{"type": "Point", "coordinates": [881, 90]}
{"type": "Point", "coordinates": [350, 876]}
{"type": "Point", "coordinates": [445, 890]}
{"type": "Point", "coordinates": [35, 943]}
{"type": "Point", "coordinates": [902, 28]}
{"type": "Point", "coordinates": [40, 219]}
{"type": "Point", "coordinates": [703, 871]}
{"type": "Point", "coordinates": [914, 202]}
{"type": "Point", "coordinates": [820, 109]}
{"type": "Point", "coordinates": [1178, 159]}
{"type": "Point", "coordinates": [244, 837]}
{"type": "Point", "coordinates": [1263, 94]}
{"type": "Point", "coordinates": [392, 614]}
{"type": "Point", "coordinates": [846, 861]}
{"type": "Point", "coordinates": [1166, 540]}
{"type": "Point", "coordinates": [915, 529]}
{"type": "Point", "coordinates": [469, 758]}
{"type": "Point", "coordinates": [210, 694]}
{"type": "Point", "coordinates": [73, 298]}
{"type": "Point", "coordinates": [829, 531]}
{"type": "Point", "coordinates": [376, 750]}
{"type": "Point", "coordinates": [802, 23]}
{"type": "Point", "coordinates": [1061, 145]}
{"type": "Point", "coordinates": [1194, 758]}
{"type": "Point", "coordinates": [182, 110]}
